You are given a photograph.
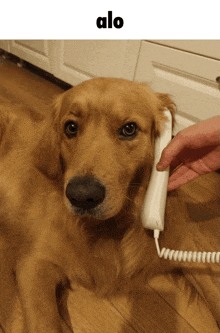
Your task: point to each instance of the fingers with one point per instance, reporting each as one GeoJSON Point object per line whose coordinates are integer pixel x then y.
{"type": "Point", "coordinates": [175, 162]}
{"type": "Point", "coordinates": [201, 135]}
{"type": "Point", "coordinates": [170, 153]}
{"type": "Point", "coordinates": [180, 177]}
{"type": "Point", "coordinates": [197, 146]}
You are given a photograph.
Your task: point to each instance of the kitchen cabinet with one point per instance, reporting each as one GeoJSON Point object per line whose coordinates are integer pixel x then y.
{"type": "Point", "coordinates": [187, 70]}
{"type": "Point", "coordinates": [188, 77]}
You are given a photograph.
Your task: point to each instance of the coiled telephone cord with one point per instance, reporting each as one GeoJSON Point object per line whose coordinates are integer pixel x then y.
{"type": "Point", "coordinates": [204, 257]}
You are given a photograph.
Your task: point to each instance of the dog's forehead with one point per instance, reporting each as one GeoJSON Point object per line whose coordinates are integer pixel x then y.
{"type": "Point", "coordinates": [111, 95]}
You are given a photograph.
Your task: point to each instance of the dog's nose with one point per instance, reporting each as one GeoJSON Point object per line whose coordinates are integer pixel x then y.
{"type": "Point", "coordinates": [85, 192]}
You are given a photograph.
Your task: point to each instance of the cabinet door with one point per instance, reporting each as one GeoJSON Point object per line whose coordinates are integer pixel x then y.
{"type": "Point", "coordinates": [189, 78]}
{"type": "Point", "coordinates": [37, 52]}
{"type": "Point", "coordinates": [79, 60]}
{"type": "Point", "coordinates": [5, 45]}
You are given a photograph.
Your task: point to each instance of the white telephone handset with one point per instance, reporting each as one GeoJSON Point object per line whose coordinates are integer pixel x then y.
{"type": "Point", "coordinates": [154, 204]}
{"type": "Point", "coordinates": [155, 198]}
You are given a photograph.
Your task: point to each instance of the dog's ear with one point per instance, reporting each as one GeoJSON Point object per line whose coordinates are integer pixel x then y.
{"type": "Point", "coordinates": [47, 153]}
{"type": "Point", "coordinates": [165, 102]}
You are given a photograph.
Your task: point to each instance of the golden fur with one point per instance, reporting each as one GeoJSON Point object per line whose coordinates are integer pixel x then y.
{"type": "Point", "coordinates": [45, 243]}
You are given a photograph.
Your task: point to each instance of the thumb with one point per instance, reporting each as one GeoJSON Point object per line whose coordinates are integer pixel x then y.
{"type": "Point", "coordinates": [164, 161]}
{"type": "Point", "coordinates": [170, 153]}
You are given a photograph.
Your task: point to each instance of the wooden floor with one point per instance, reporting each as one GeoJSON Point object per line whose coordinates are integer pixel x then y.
{"type": "Point", "coordinates": [88, 313]}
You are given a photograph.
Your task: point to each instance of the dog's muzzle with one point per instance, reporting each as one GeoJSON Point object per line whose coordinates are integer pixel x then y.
{"type": "Point", "coordinates": [85, 193]}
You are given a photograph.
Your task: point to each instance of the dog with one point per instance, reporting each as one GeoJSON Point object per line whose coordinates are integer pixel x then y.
{"type": "Point", "coordinates": [72, 188]}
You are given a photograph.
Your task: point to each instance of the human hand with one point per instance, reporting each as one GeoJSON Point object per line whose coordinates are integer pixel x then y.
{"type": "Point", "coordinates": [194, 151]}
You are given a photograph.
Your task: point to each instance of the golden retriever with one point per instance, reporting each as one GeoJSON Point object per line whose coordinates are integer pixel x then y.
{"type": "Point", "coordinates": [71, 189]}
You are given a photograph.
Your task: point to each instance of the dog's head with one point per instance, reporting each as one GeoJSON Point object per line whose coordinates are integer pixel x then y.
{"type": "Point", "coordinates": [104, 133]}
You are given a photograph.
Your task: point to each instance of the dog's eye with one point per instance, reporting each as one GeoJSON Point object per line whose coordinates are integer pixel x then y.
{"type": "Point", "coordinates": [70, 128]}
{"type": "Point", "coordinates": [129, 130]}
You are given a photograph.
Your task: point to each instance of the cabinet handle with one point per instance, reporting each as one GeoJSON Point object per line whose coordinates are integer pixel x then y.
{"type": "Point", "coordinates": [218, 79]}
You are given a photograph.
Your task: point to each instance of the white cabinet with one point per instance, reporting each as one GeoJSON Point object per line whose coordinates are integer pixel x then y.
{"type": "Point", "coordinates": [186, 70]}
{"type": "Point", "coordinates": [74, 61]}
{"type": "Point", "coordinates": [189, 78]}
{"type": "Point", "coordinates": [37, 52]}
{"type": "Point", "coordinates": [78, 60]}
{"type": "Point", "coordinates": [5, 45]}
